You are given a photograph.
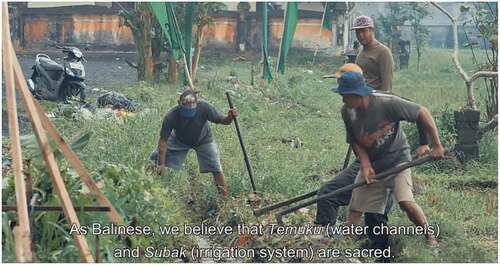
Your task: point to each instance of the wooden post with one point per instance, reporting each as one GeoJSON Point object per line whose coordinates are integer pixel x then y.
{"type": "Point", "coordinates": [47, 153]}
{"type": "Point", "coordinates": [252, 73]}
{"type": "Point", "coordinates": [22, 231]}
{"type": "Point", "coordinates": [20, 251]}
{"type": "Point", "coordinates": [491, 203]}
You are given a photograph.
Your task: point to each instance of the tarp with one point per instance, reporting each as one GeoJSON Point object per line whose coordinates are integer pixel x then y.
{"type": "Point", "coordinates": [266, 71]}
{"type": "Point", "coordinates": [291, 18]}
{"type": "Point", "coordinates": [165, 14]}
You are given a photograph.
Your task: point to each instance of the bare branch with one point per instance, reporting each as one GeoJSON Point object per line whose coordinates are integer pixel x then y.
{"type": "Point", "coordinates": [453, 19]}
{"type": "Point", "coordinates": [492, 124]}
{"type": "Point", "coordinates": [469, 81]}
{"type": "Point", "coordinates": [483, 74]}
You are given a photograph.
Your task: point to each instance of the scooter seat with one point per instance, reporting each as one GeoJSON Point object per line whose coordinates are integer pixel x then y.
{"type": "Point", "coordinates": [50, 65]}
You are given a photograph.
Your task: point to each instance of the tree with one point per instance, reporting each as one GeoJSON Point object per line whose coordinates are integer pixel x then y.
{"type": "Point", "coordinates": [204, 12]}
{"type": "Point", "coordinates": [391, 27]}
{"type": "Point", "coordinates": [469, 80]}
{"type": "Point", "coordinates": [484, 20]}
{"type": "Point", "coordinates": [139, 20]}
{"type": "Point", "coordinates": [420, 32]}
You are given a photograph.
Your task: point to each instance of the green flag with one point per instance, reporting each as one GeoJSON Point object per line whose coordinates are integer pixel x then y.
{"type": "Point", "coordinates": [165, 14]}
{"type": "Point", "coordinates": [266, 71]}
{"type": "Point", "coordinates": [291, 18]}
{"type": "Point", "coordinates": [327, 22]}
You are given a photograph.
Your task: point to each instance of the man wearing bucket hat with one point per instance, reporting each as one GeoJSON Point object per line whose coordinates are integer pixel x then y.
{"type": "Point", "coordinates": [328, 209]}
{"type": "Point", "coordinates": [375, 58]}
{"type": "Point", "coordinates": [372, 127]}
{"type": "Point", "coordinates": [186, 127]}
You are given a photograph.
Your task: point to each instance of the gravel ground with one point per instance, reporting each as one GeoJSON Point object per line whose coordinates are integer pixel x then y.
{"type": "Point", "coordinates": [103, 71]}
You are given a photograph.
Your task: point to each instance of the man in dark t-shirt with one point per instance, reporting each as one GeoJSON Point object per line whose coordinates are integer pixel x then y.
{"type": "Point", "coordinates": [185, 127]}
{"type": "Point", "coordinates": [372, 128]}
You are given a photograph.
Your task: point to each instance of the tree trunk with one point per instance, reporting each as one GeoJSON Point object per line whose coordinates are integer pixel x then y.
{"type": "Point", "coordinates": [197, 52]}
{"type": "Point", "coordinates": [156, 49]}
{"type": "Point", "coordinates": [139, 22]}
{"type": "Point", "coordinates": [173, 70]}
{"type": "Point", "coordinates": [139, 47]}
{"type": "Point", "coordinates": [148, 52]}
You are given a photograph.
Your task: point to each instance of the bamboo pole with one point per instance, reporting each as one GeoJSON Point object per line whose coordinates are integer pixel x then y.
{"type": "Point", "coordinates": [22, 232]}
{"type": "Point", "coordinates": [19, 249]}
{"type": "Point", "coordinates": [186, 69]}
{"type": "Point", "coordinates": [320, 32]}
{"type": "Point", "coordinates": [47, 153]}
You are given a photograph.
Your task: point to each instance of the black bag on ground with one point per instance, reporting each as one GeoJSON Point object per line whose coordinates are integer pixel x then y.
{"type": "Point", "coordinates": [116, 101]}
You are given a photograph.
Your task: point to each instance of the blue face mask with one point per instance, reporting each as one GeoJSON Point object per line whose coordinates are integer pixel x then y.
{"type": "Point", "coordinates": [187, 112]}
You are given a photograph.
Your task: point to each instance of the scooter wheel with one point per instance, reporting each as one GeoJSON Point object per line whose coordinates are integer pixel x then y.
{"type": "Point", "coordinates": [74, 90]}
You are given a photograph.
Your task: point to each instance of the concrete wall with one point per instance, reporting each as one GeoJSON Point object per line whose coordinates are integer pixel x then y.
{"type": "Point", "coordinates": [223, 34]}
{"type": "Point", "coordinates": [100, 31]}
{"type": "Point", "coordinates": [105, 32]}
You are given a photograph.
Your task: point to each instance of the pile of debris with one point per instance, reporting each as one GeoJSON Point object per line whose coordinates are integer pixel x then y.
{"type": "Point", "coordinates": [110, 106]}
{"type": "Point", "coordinates": [115, 100]}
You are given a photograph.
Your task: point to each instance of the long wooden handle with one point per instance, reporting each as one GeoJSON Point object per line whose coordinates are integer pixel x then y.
{"type": "Point", "coordinates": [243, 149]}
{"type": "Point", "coordinates": [391, 172]}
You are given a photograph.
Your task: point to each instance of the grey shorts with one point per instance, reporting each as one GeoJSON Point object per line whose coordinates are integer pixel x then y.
{"type": "Point", "coordinates": [208, 156]}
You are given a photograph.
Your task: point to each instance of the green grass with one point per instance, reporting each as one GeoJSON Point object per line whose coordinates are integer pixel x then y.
{"type": "Point", "coordinates": [296, 105]}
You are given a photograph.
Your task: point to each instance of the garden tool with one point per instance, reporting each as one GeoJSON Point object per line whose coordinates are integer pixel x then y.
{"type": "Point", "coordinates": [243, 149]}
{"type": "Point", "coordinates": [269, 208]}
{"type": "Point", "coordinates": [386, 174]}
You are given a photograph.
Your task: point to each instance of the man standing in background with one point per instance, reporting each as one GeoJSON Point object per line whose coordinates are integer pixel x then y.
{"type": "Point", "coordinates": [375, 59]}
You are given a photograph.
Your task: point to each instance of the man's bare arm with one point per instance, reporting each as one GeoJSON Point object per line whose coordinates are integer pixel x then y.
{"type": "Point", "coordinates": [231, 114]}
{"type": "Point", "coordinates": [366, 166]}
{"type": "Point", "coordinates": [425, 118]}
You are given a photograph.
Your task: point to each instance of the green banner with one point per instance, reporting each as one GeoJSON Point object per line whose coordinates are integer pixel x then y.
{"type": "Point", "coordinates": [327, 22]}
{"type": "Point", "coordinates": [266, 71]}
{"type": "Point", "coordinates": [291, 18]}
{"type": "Point", "coordinates": [166, 17]}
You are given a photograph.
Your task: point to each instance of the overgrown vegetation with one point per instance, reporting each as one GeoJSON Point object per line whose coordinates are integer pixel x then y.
{"type": "Point", "coordinates": [297, 105]}
{"type": "Point", "coordinates": [391, 27]}
{"type": "Point", "coordinates": [484, 19]}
